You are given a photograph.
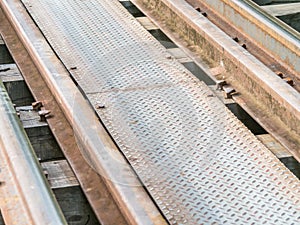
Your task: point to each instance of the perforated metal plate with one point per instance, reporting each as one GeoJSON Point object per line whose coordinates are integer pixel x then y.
{"type": "Point", "coordinates": [199, 163]}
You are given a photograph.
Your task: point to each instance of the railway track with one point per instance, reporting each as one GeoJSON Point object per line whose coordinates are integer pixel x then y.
{"type": "Point", "coordinates": [284, 37]}
{"type": "Point", "coordinates": [29, 170]}
{"type": "Point", "coordinates": [248, 75]}
{"type": "Point", "coordinates": [89, 154]}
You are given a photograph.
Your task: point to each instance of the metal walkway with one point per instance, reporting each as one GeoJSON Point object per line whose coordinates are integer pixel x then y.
{"type": "Point", "coordinates": [198, 162]}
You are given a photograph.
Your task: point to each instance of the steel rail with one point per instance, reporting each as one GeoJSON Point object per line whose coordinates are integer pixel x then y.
{"type": "Point", "coordinates": [271, 100]}
{"type": "Point", "coordinates": [33, 190]}
{"type": "Point", "coordinates": [60, 83]}
{"type": "Point", "coordinates": [91, 183]}
{"type": "Point", "coordinates": [166, 122]}
{"type": "Point", "coordinates": [126, 189]}
{"type": "Point", "coordinates": [267, 31]}
{"type": "Point", "coordinates": [255, 48]}
{"type": "Point", "coordinates": [282, 9]}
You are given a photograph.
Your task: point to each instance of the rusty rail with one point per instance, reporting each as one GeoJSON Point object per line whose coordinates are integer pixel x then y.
{"type": "Point", "coordinates": [30, 189]}
{"type": "Point", "coordinates": [270, 33]}
{"type": "Point", "coordinates": [271, 100]}
{"type": "Point", "coordinates": [122, 183]}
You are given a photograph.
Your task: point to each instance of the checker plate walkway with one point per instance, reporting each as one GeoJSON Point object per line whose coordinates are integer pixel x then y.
{"type": "Point", "coordinates": [197, 161]}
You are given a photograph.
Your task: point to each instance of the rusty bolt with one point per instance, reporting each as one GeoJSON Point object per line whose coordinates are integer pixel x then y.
{"type": "Point", "coordinates": [228, 91]}
{"type": "Point", "coordinates": [236, 39]}
{"type": "Point", "coordinates": [280, 74]}
{"type": "Point", "coordinates": [36, 106]}
{"type": "Point", "coordinates": [45, 171]}
{"type": "Point", "coordinates": [220, 84]}
{"type": "Point", "coordinates": [289, 81]}
{"type": "Point", "coordinates": [43, 114]}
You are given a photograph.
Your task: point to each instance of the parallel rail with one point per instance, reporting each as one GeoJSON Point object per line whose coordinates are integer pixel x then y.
{"type": "Point", "coordinates": [256, 18]}
{"type": "Point", "coordinates": [123, 185]}
{"type": "Point", "coordinates": [270, 33]}
{"type": "Point", "coordinates": [130, 198]}
{"type": "Point", "coordinates": [21, 175]}
{"type": "Point", "coordinates": [268, 98]}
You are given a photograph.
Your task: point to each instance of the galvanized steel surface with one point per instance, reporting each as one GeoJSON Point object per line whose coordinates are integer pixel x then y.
{"type": "Point", "coordinates": [199, 163]}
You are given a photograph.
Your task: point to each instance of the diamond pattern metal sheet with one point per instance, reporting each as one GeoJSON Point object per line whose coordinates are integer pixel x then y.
{"type": "Point", "coordinates": [107, 40]}
{"type": "Point", "coordinates": [198, 162]}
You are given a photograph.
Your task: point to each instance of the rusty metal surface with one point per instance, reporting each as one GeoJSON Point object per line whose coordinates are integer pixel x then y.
{"type": "Point", "coordinates": [270, 33]}
{"type": "Point", "coordinates": [243, 39]}
{"type": "Point", "coordinates": [133, 202]}
{"type": "Point", "coordinates": [91, 183]}
{"type": "Point", "coordinates": [271, 98]}
{"type": "Point", "coordinates": [32, 190]}
{"type": "Point", "coordinates": [9, 191]}
{"type": "Point", "coordinates": [198, 162]}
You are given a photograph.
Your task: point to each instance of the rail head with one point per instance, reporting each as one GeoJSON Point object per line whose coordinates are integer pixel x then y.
{"type": "Point", "coordinates": [32, 190]}
{"type": "Point", "coordinates": [283, 26]}
{"type": "Point", "coordinates": [253, 80]}
{"type": "Point", "coordinates": [270, 33]}
{"type": "Point", "coordinates": [95, 143]}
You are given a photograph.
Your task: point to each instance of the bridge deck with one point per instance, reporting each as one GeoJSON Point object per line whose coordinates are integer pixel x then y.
{"type": "Point", "coordinates": [197, 161]}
